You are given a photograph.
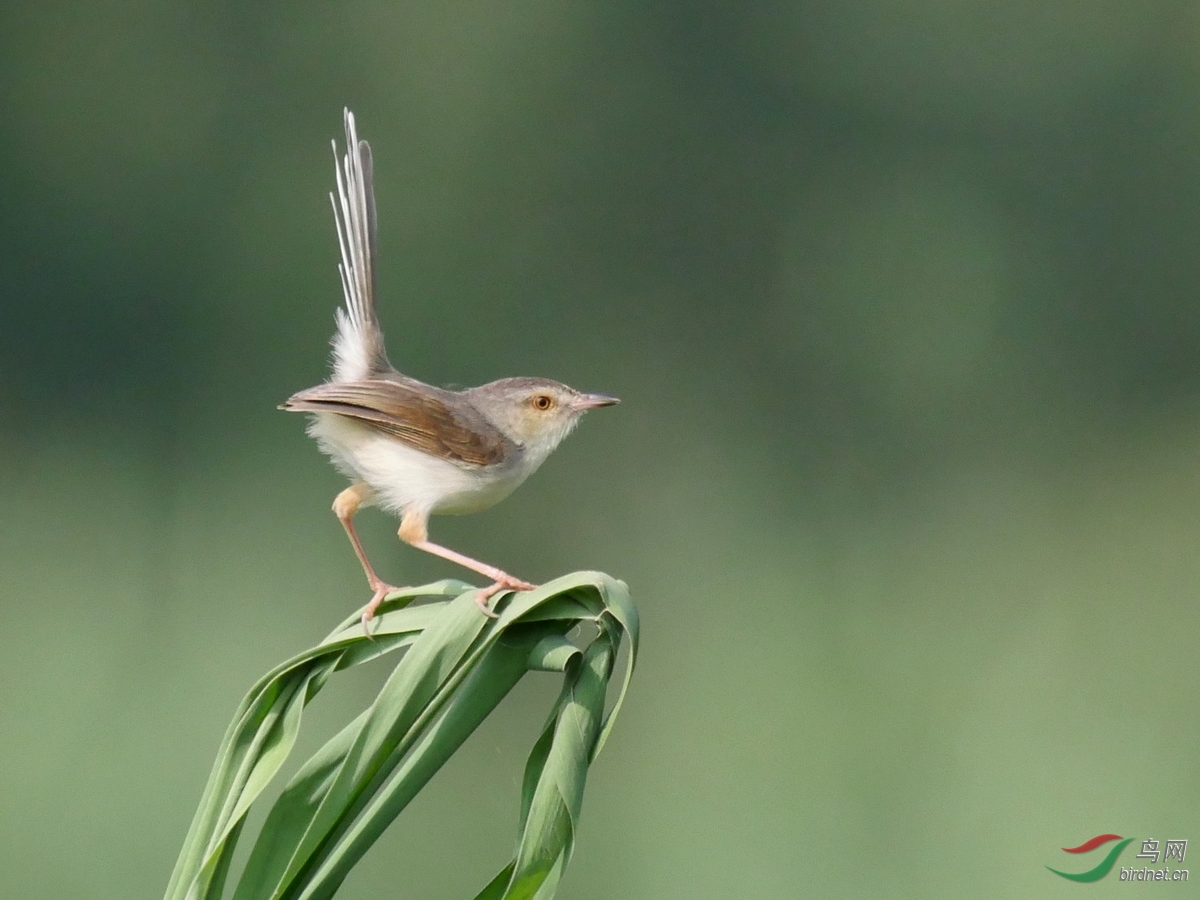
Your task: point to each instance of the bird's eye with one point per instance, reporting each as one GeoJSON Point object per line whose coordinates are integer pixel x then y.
{"type": "Point", "coordinates": [542, 402]}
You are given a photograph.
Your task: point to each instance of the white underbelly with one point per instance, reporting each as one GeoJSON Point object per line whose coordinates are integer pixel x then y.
{"type": "Point", "coordinates": [402, 477]}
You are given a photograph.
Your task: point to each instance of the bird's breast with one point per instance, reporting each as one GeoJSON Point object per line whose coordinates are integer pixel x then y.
{"type": "Point", "coordinates": [404, 478]}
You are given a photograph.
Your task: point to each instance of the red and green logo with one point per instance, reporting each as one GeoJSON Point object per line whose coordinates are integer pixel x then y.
{"type": "Point", "coordinates": [1105, 865]}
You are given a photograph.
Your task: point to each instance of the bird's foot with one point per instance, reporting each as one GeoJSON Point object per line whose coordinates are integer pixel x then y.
{"type": "Point", "coordinates": [381, 591]}
{"type": "Point", "coordinates": [503, 582]}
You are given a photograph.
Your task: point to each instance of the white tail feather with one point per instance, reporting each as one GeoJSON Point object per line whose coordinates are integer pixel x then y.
{"type": "Point", "coordinates": [358, 345]}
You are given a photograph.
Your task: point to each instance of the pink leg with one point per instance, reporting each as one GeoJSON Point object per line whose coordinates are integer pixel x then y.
{"type": "Point", "coordinates": [345, 505]}
{"type": "Point", "coordinates": [414, 532]}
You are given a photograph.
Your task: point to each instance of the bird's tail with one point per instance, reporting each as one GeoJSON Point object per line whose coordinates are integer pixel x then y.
{"type": "Point", "coordinates": [358, 351]}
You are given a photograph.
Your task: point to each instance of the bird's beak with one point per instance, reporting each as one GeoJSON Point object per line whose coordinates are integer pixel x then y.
{"type": "Point", "coordinates": [595, 401]}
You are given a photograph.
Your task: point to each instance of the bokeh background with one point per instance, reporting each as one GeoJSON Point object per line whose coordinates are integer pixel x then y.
{"type": "Point", "coordinates": [900, 298]}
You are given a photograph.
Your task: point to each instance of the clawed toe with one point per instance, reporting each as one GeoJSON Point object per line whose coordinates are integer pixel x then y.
{"type": "Point", "coordinates": [482, 598]}
{"type": "Point", "coordinates": [504, 583]}
{"type": "Point", "coordinates": [368, 614]}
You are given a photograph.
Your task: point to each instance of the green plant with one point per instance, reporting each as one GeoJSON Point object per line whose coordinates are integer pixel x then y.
{"type": "Point", "coordinates": [456, 667]}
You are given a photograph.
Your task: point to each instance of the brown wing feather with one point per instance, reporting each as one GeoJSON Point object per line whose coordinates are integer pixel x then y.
{"type": "Point", "coordinates": [422, 416]}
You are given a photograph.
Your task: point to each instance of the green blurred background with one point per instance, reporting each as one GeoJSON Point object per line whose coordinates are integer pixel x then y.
{"type": "Point", "coordinates": [900, 298]}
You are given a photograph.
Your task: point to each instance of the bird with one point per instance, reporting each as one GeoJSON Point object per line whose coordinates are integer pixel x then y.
{"type": "Point", "coordinates": [410, 448]}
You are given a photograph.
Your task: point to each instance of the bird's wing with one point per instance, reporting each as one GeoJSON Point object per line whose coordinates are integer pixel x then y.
{"type": "Point", "coordinates": [358, 351]}
{"type": "Point", "coordinates": [414, 413]}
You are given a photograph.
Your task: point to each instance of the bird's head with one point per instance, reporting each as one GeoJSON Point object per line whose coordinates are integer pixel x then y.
{"type": "Point", "coordinates": [536, 413]}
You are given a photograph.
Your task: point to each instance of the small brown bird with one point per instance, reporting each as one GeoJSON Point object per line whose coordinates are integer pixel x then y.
{"type": "Point", "coordinates": [408, 447]}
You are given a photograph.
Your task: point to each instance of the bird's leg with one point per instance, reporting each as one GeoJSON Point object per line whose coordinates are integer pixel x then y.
{"type": "Point", "coordinates": [414, 532]}
{"type": "Point", "coordinates": [345, 505]}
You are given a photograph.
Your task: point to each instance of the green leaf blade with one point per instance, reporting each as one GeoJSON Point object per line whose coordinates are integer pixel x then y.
{"type": "Point", "coordinates": [455, 666]}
